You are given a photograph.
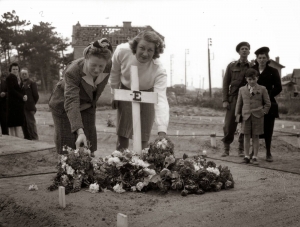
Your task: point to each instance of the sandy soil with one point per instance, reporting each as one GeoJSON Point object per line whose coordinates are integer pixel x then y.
{"type": "Point", "coordinates": [262, 196]}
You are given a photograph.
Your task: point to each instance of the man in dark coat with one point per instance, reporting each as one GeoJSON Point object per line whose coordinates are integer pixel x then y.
{"type": "Point", "coordinates": [268, 77]}
{"type": "Point", "coordinates": [234, 79]}
{"type": "Point", "coordinates": [30, 89]}
{"type": "Point", "coordinates": [3, 113]}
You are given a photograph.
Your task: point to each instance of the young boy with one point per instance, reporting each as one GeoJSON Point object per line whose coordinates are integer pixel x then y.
{"type": "Point", "coordinates": [252, 104]}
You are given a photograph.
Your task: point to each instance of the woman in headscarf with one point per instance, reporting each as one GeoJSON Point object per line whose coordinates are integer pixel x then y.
{"type": "Point", "coordinates": [15, 101]}
{"type": "Point", "coordinates": [142, 51]}
{"type": "Point", "coordinates": [268, 77]}
{"type": "Point", "coordinates": [73, 100]}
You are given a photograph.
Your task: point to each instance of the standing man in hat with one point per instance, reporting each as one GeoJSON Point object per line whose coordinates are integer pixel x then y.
{"type": "Point", "coordinates": [234, 79]}
{"type": "Point", "coordinates": [30, 89]}
{"type": "Point", "coordinates": [270, 78]}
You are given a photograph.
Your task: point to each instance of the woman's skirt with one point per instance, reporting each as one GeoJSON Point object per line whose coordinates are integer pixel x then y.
{"type": "Point", "coordinates": [253, 126]}
{"type": "Point", "coordinates": [64, 136]}
{"type": "Point", "coordinates": [124, 118]}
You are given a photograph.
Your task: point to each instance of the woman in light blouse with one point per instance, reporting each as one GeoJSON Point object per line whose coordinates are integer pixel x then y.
{"type": "Point", "coordinates": [142, 51]}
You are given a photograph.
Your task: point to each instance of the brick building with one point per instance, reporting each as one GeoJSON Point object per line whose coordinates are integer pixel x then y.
{"type": "Point", "coordinates": [83, 35]}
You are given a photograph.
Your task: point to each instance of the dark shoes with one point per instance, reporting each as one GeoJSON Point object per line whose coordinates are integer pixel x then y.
{"type": "Point", "coordinates": [254, 161]}
{"type": "Point", "coordinates": [246, 160]}
{"type": "Point", "coordinates": [225, 154]}
{"type": "Point", "coordinates": [269, 158]}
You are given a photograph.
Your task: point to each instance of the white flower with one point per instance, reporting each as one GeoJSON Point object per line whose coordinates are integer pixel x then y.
{"type": "Point", "coordinates": [196, 167]}
{"type": "Point", "coordinates": [118, 188]}
{"type": "Point", "coordinates": [117, 154]}
{"type": "Point", "coordinates": [138, 162]}
{"type": "Point", "coordinates": [139, 186]}
{"type": "Point", "coordinates": [69, 170]}
{"type": "Point", "coordinates": [63, 158]}
{"type": "Point", "coordinates": [94, 188]}
{"type": "Point", "coordinates": [213, 170]}
{"type": "Point", "coordinates": [114, 160]}
{"type": "Point", "coordinates": [133, 188]}
{"type": "Point", "coordinates": [149, 171]}
{"type": "Point", "coordinates": [159, 144]}
{"type": "Point", "coordinates": [145, 151]}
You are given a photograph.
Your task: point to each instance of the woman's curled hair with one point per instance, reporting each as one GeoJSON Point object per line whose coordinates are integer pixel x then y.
{"type": "Point", "coordinates": [149, 36]}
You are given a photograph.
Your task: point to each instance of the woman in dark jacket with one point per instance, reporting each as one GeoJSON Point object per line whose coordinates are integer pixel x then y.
{"type": "Point", "coordinates": [268, 77]}
{"type": "Point", "coordinates": [73, 100]}
{"type": "Point", "coordinates": [15, 101]}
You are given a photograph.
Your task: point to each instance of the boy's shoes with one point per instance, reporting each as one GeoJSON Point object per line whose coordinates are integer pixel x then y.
{"type": "Point", "coordinates": [254, 161]}
{"type": "Point", "coordinates": [225, 154]}
{"type": "Point", "coordinates": [246, 160]}
{"type": "Point", "coordinates": [269, 158]}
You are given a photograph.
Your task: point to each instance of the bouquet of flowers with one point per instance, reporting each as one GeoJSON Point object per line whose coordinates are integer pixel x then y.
{"type": "Point", "coordinates": [155, 168]}
{"type": "Point", "coordinates": [73, 170]}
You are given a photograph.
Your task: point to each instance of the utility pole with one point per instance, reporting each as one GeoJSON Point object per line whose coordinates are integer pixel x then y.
{"type": "Point", "coordinates": [171, 67]}
{"type": "Point", "coordinates": [209, 43]}
{"type": "Point", "coordinates": [186, 52]}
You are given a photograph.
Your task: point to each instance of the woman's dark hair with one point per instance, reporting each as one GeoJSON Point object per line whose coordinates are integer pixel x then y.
{"type": "Point", "coordinates": [12, 65]}
{"type": "Point", "coordinates": [149, 36]}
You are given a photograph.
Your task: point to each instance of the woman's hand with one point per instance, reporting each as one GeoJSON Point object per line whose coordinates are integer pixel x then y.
{"type": "Point", "coordinates": [25, 98]}
{"type": "Point", "coordinates": [162, 135]}
{"type": "Point", "coordinates": [81, 139]}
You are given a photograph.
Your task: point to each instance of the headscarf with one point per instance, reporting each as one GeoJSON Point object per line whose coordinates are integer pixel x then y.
{"type": "Point", "coordinates": [99, 44]}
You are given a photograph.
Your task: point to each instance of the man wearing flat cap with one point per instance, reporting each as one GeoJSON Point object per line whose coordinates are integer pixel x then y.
{"type": "Point", "coordinates": [234, 79]}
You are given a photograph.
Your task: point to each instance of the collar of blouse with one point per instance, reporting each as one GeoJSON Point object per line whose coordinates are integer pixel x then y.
{"type": "Point", "coordinates": [89, 78]}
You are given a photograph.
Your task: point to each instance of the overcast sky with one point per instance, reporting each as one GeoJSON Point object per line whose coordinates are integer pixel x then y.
{"type": "Point", "coordinates": [186, 24]}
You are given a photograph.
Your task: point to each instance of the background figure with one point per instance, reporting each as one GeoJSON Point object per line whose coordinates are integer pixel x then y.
{"type": "Point", "coordinates": [30, 89]}
{"type": "Point", "coordinates": [142, 51]}
{"type": "Point", "coordinates": [15, 101]}
{"type": "Point", "coordinates": [268, 77]}
{"type": "Point", "coordinates": [253, 103]}
{"type": "Point", "coordinates": [3, 104]}
{"type": "Point", "coordinates": [73, 100]}
{"type": "Point", "coordinates": [234, 79]}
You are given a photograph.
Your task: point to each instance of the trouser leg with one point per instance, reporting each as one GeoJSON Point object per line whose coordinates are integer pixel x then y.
{"type": "Point", "coordinates": [31, 125]}
{"type": "Point", "coordinates": [268, 132]}
{"type": "Point", "coordinates": [229, 124]}
{"type": "Point", "coordinates": [3, 122]}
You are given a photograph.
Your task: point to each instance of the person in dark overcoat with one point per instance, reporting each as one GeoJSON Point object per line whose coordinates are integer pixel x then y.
{"type": "Point", "coordinates": [73, 100]}
{"type": "Point", "coordinates": [3, 108]}
{"type": "Point", "coordinates": [30, 89]}
{"type": "Point", "coordinates": [268, 77]}
{"type": "Point", "coordinates": [15, 101]}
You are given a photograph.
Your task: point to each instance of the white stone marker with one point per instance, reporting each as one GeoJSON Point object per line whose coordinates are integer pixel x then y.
{"type": "Point", "coordinates": [122, 220]}
{"type": "Point", "coordinates": [213, 141]}
{"type": "Point", "coordinates": [193, 135]}
{"type": "Point", "coordinates": [282, 126]}
{"type": "Point", "coordinates": [136, 97]}
{"type": "Point", "coordinates": [177, 133]}
{"type": "Point", "coordinates": [294, 127]}
{"type": "Point", "coordinates": [61, 196]}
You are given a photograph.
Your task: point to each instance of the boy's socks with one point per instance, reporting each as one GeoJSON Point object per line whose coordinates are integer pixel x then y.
{"type": "Point", "coordinates": [254, 157]}
{"type": "Point", "coordinates": [247, 157]}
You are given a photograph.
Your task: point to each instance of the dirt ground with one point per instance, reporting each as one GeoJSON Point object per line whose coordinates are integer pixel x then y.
{"type": "Point", "coordinates": [267, 195]}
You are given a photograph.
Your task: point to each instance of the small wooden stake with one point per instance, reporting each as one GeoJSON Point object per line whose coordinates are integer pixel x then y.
{"type": "Point", "coordinates": [62, 197]}
{"type": "Point", "coordinates": [177, 133]}
{"type": "Point", "coordinates": [122, 220]}
{"type": "Point", "coordinates": [193, 135]}
{"type": "Point", "coordinates": [294, 127]}
{"type": "Point", "coordinates": [213, 141]}
{"type": "Point", "coordinates": [282, 126]}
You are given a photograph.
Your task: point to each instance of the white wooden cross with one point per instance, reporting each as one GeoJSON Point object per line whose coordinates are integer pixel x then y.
{"type": "Point", "coordinates": [136, 97]}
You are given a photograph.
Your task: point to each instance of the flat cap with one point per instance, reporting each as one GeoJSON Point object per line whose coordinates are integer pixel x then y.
{"type": "Point", "coordinates": [241, 44]}
{"type": "Point", "coordinates": [262, 50]}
